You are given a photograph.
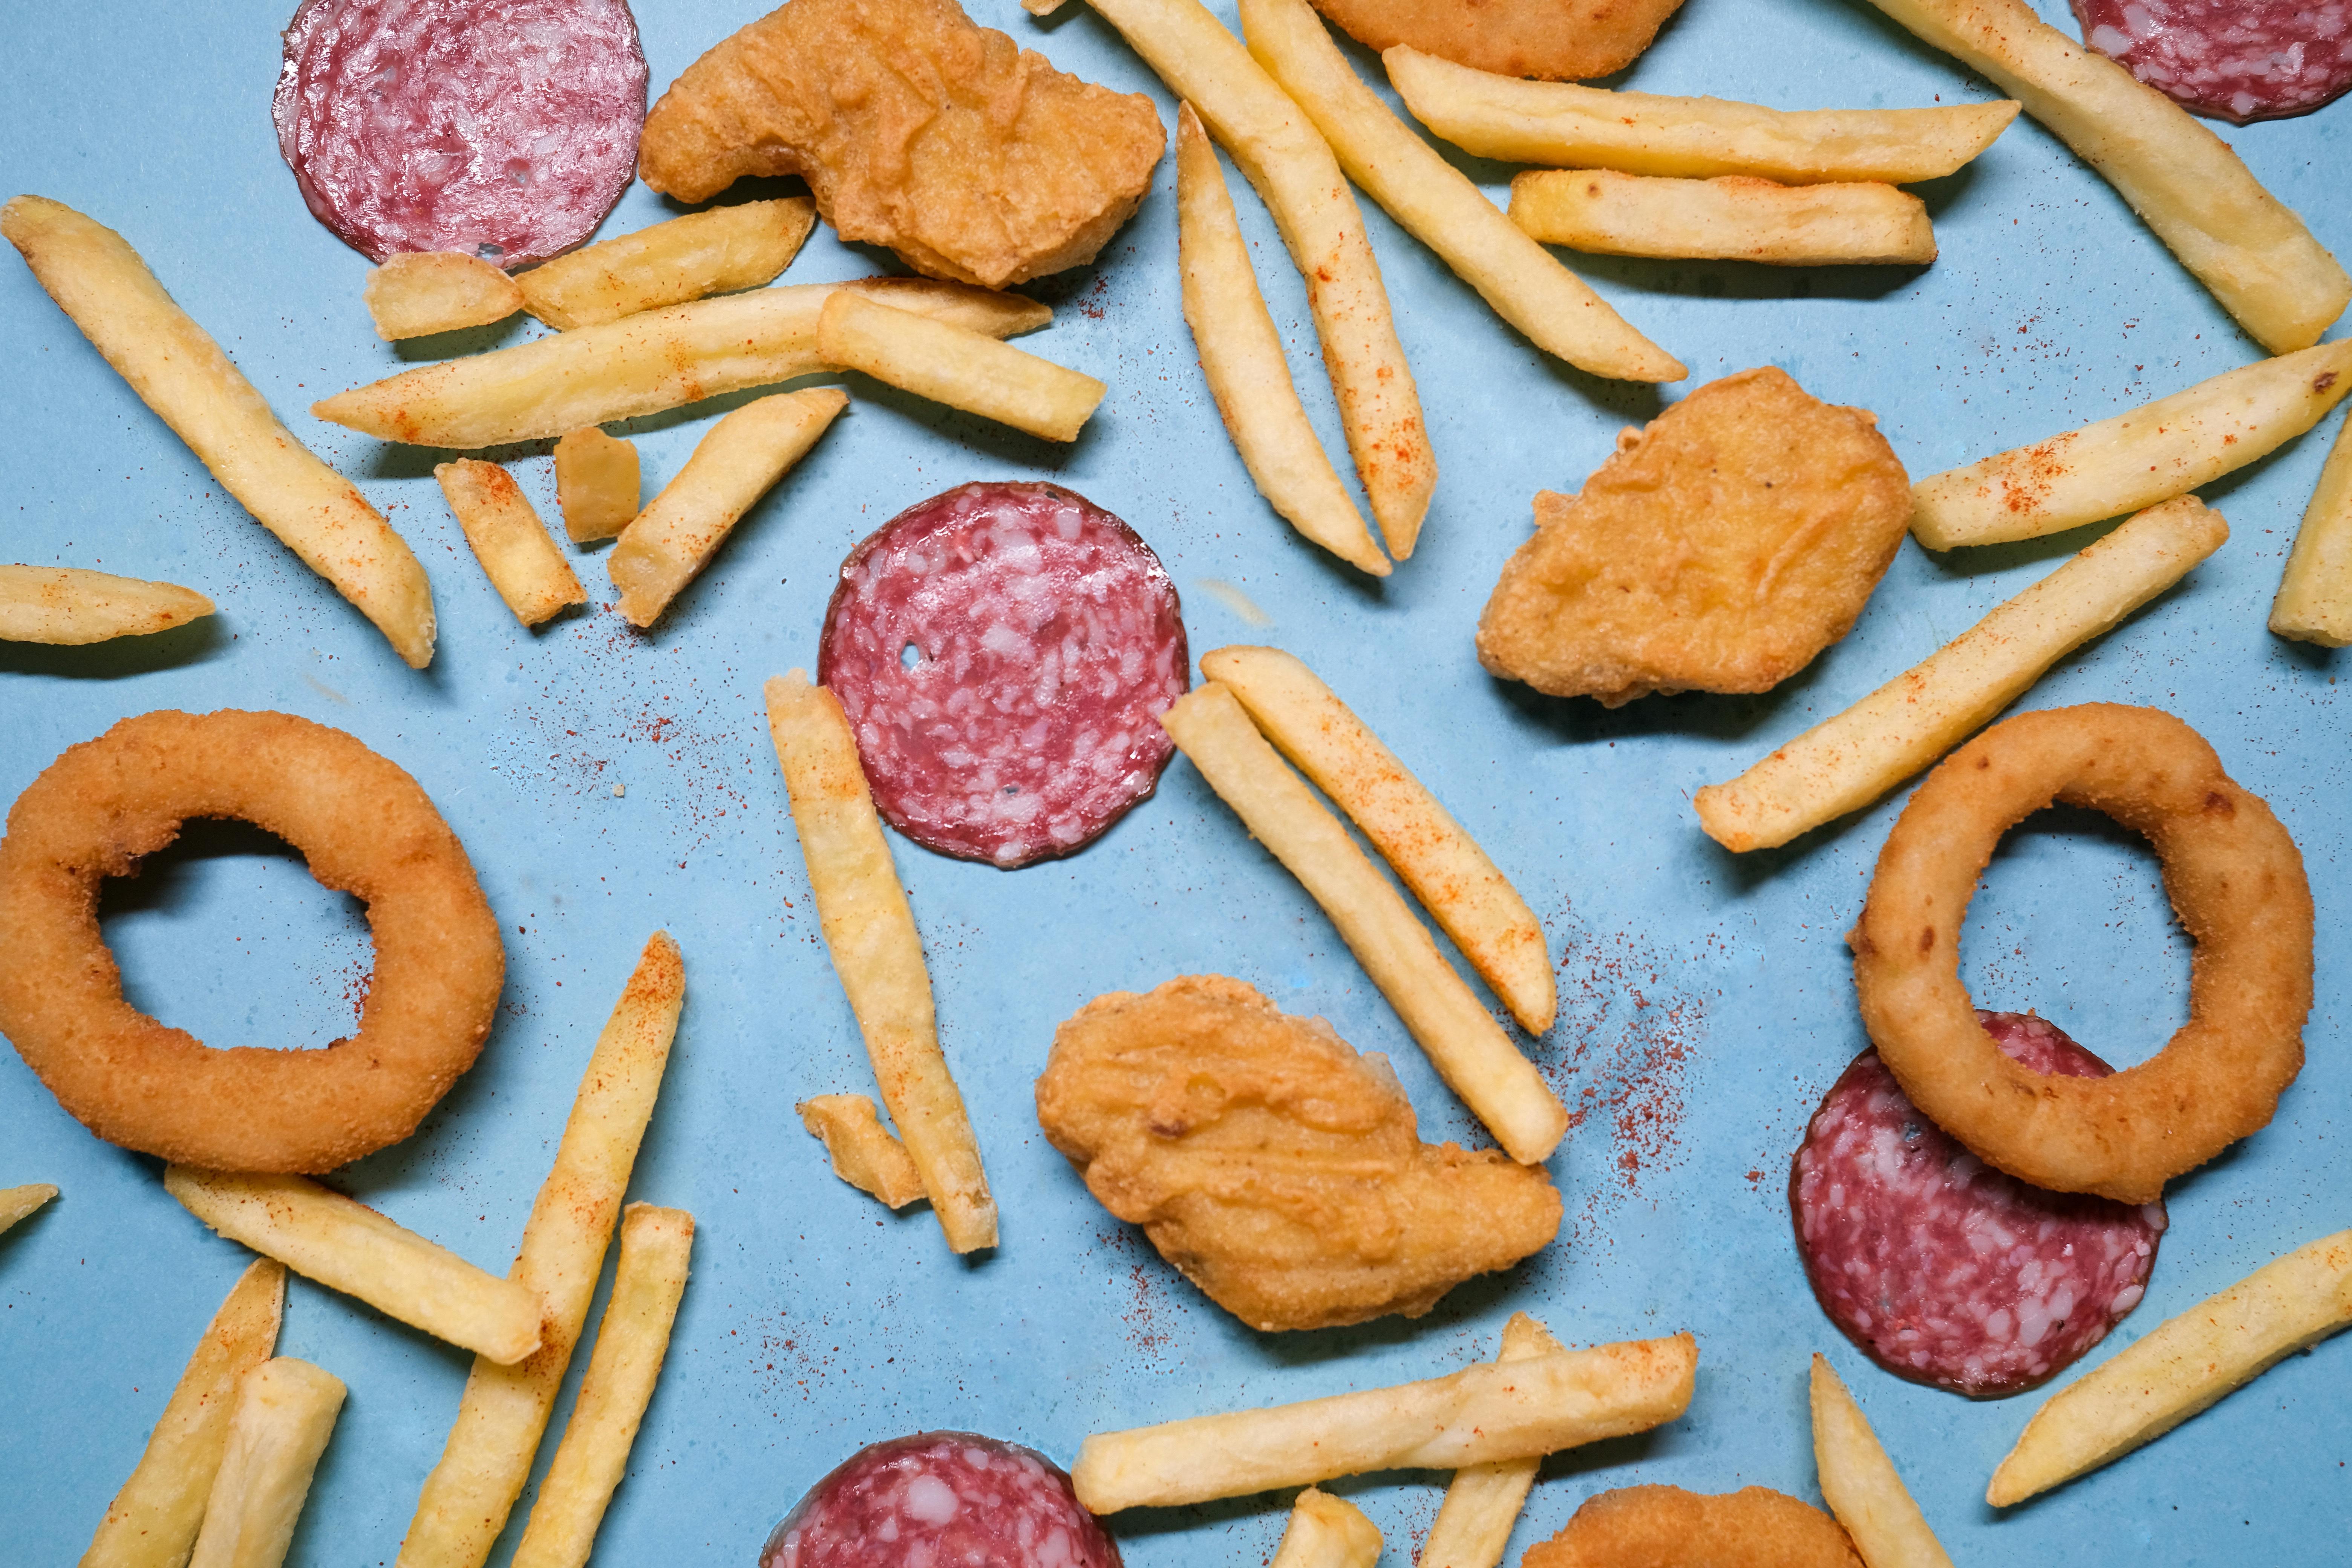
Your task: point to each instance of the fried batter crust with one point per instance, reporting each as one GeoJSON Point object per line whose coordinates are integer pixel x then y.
{"type": "Point", "coordinates": [1717, 550]}
{"type": "Point", "coordinates": [1558, 40]}
{"type": "Point", "coordinates": [972, 158]}
{"type": "Point", "coordinates": [1666, 1527]}
{"type": "Point", "coordinates": [1272, 1164]}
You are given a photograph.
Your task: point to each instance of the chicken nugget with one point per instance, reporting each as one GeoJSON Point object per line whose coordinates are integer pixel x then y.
{"type": "Point", "coordinates": [1558, 40]}
{"type": "Point", "coordinates": [1272, 1164]}
{"type": "Point", "coordinates": [1666, 1527]}
{"type": "Point", "coordinates": [1720, 549]}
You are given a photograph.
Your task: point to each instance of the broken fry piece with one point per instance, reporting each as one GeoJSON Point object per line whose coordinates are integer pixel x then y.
{"type": "Point", "coordinates": [862, 1151]}
{"type": "Point", "coordinates": [717, 251]}
{"type": "Point", "coordinates": [2314, 595]}
{"type": "Point", "coordinates": [68, 607]}
{"type": "Point", "coordinates": [597, 483]}
{"type": "Point", "coordinates": [15, 1203]}
{"type": "Point", "coordinates": [1325, 1531]}
{"type": "Point", "coordinates": [1482, 1501]}
{"type": "Point", "coordinates": [285, 1413]}
{"type": "Point", "coordinates": [1859, 1482]}
{"type": "Point", "coordinates": [516, 552]}
{"type": "Point", "coordinates": [425, 291]}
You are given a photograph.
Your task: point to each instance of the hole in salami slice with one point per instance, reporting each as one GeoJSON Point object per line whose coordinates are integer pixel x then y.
{"type": "Point", "coordinates": [910, 657]}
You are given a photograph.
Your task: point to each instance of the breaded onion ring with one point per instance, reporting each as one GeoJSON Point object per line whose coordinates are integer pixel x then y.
{"type": "Point", "coordinates": [1666, 1527]}
{"type": "Point", "coordinates": [2236, 882]}
{"type": "Point", "coordinates": [367, 829]}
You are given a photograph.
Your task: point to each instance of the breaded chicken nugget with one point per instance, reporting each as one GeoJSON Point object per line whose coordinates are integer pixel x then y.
{"type": "Point", "coordinates": [1272, 1164]}
{"type": "Point", "coordinates": [1558, 40]}
{"type": "Point", "coordinates": [1717, 550]}
{"type": "Point", "coordinates": [1666, 1527]}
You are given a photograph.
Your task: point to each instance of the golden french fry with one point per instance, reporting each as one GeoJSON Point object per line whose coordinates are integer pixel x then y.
{"type": "Point", "coordinates": [347, 1246]}
{"type": "Point", "coordinates": [1843, 764]}
{"type": "Point", "coordinates": [1241, 353]}
{"type": "Point", "coordinates": [15, 1203]}
{"type": "Point", "coordinates": [869, 930]}
{"type": "Point", "coordinates": [1524, 285]}
{"type": "Point", "coordinates": [1469, 1049]}
{"type": "Point", "coordinates": [713, 252]}
{"type": "Point", "coordinates": [285, 1413]}
{"type": "Point", "coordinates": [516, 552]}
{"type": "Point", "coordinates": [1482, 1501]}
{"type": "Point", "coordinates": [2186, 184]}
{"type": "Point", "coordinates": [1506, 1410]}
{"type": "Point", "coordinates": [67, 606]}
{"type": "Point", "coordinates": [1562, 125]}
{"type": "Point", "coordinates": [597, 483]}
{"type": "Point", "coordinates": [2169, 448]}
{"type": "Point", "coordinates": [428, 291]}
{"type": "Point", "coordinates": [862, 1151]}
{"type": "Point", "coordinates": [178, 371]}
{"type": "Point", "coordinates": [1294, 172]}
{"type": "Point", "coordinates": [1432, 854]}
{"type": "Point", "coordinates": [631, 1343]}
{"type": "Point", "coordinates": [2314, 595]}
{"type": "Point", "coordinates": [666, 545]}
{"type": "Point", "coordinates": [642, 364]}
{"type": "Point", "coordinates": [152, 1521]}
{"type": "Point", "coordinates": [1325, 1531]}
{"type": "Point", "coordinates": [1733, 217]}
{"type": "Point", "coordinates": [1859, 1482]}
{"type": "Point", "coordinates": [2181, 1366]}
{"type": "Point", "coordinates": [957, 366]}
{"type": "Point", "coordinates": [504, 1412]}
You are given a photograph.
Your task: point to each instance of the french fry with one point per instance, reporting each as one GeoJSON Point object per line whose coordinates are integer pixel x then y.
{"type": "Point", "coordinates": [15, 1203]}
{"type": "Point", "coordinates": [713, 252]}
{"type": "Point", "coordinates": [631, 1343]}
{"type": "Point", "coordinates": [666, 545]}
{"type": "Point", "coordinates": [178, 371]}
{"type": "Point", "coordinates": [1469, 1049]}
{"type": "Point", "coordinates": [1513, 1410]}
{"type": "Point", "coordinates": [2186, 184]}
{"type": "Point", "coordinates": [513, 546]}
{"type": "Point", "coordinates": [1561, 125]}
{"type": "Point", "coordinates": [152, 1521]}
{"type": "Point", "coordinates": [285, 1413]}
{"type": "Point", "coordinates": [348, 1247]}
{"type": "Point", "coordinates": [2181, 1366]}
{"type": "Point", "coordinates": [642, 364]}
{"type": "Point", "coordinates": [1859, 1482]}
{"type": "Point", "coordinates": [597, 483]}
{"type": "Point", "coordinates": [504, 1412]}
{"type": "Point", "coordinates": [2314, 596]}
{"type": "Point", "coordinates": [1431, 853]}
{"type": "Point", "coordinates": [1438, 205]}
{"type": "Point", "coordinates": [1845, 763]}
{"type": "Point", "coordinates": [68, 607]}
{"type": "Point", "coordinates": [1241, 354]}
{"type": "Point", "coordinates": [1325, 1531]}
{"type": "Point", "coordinates": [956, 366]}
{"type": "Point", "coordinates": [428, 291]}
{"type": "Point", "coordinates": [1482, 1501]}
{"type": "Point", "coordinates": [1733, 217]}
{"type": "Point", "coordinates": [862, 1150]}
{"type": "Point", "coordinates": [869, 930]}
{"type": "Point", "coordinates": [1294, 171]}
{"type": "Point", "coordinates": [2169, 448]}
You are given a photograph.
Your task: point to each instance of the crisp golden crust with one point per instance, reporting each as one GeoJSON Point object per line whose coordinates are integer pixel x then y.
{"type": "Point", "coordinates": [1272, 1164]}
{"type": "Point", "coordinates": [1558, 40]}
{"type": "Point", "coordinates": [366, 828]}
{"type": "Point", "coordinates": [1717, 550]}
{"type": "Point", "coordinates": [1666, 1527]}
{"type": "Point", "coordinates": [2235, 881]}
{"type": "Point", "coordinates": [972, 158]}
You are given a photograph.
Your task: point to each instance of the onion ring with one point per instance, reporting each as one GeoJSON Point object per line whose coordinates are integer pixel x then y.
{"type": "Point", "coordinates": [2236, 882]}
{"type": "Point", "coordinates": [1666, 1527]}
{"type": "Point", "coordinates": [366, 829]}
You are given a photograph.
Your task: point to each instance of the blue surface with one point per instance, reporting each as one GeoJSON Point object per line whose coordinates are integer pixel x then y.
{"type": "Point", "coordinates": [1705, 1000]}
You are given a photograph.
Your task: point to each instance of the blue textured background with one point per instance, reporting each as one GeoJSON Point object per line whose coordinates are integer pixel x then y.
{"type": "Point", "coordinates": [1705, 1000]}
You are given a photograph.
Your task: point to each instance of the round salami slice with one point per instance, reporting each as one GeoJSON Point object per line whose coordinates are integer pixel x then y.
{"type": "Point", "coordinates": [1943, 1269]}
{"type": "Point", "coordinates": [941, 1500]}
{"type": "Point", "coordinates": [1003, 653]}
{"type": "Point", "coordinates": [2237, 59]}
{"type": "Point", "coordinates": [506, 129]}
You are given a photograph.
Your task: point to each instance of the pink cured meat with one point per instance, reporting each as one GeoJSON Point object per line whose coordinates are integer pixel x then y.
{"type": "Point", "coordinates": [1943, 1269]}
{"type": "Point", "coordinates": [1003, 653]}
{"type": "Point", "coordinates": [506, 129]}
{"type": "Point", "coordinates": [941, 1500]}
{"type": "Point", "coordinates": [2237, 59]}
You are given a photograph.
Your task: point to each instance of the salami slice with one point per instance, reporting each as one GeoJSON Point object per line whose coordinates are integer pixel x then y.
{"type": "Point", "coordinates": [506, 129]}
{"type": "Point", "coordinates": [1943, 1269]}
{"type": "Point", "coordinates": [2237, 59]}
{"type": "Point", "coordinates": [1003, 653]}
{"type": "Point", "coordinates": [941, 1500]}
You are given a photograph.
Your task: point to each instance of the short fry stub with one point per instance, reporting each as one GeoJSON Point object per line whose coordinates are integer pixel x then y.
{"type": "Point", "coordinates": [1474, 1524]}
{"type": "Point", "coordinates": [15, 1203]}
{"type": "Point", "coordinates": [597, 483]}
{"type": "Point", "coordinates": [516, 552]}
{"type": "Point", "coordinates": [862, 1150]}
{"type": "Point", "coordinates": [1325, 1531]}
{"type": "Point", "coordinates": [285, 1413]}
{"type": "Point", "coordinates": [2314, 596]}
{"type": "Point", "coordinates": [423, 292]}
{"type": "Point", "coordinates": [1859, 1483]}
